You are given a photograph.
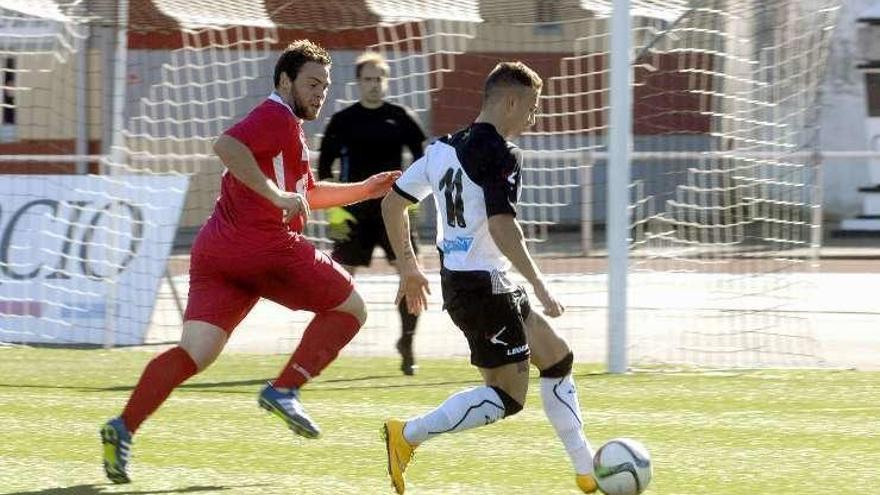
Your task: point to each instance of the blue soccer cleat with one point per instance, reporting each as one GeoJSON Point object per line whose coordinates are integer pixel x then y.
{"type": "Point", "coordinates": [117, 450]}
{"type": "Point", "coordinates": [286, 405]}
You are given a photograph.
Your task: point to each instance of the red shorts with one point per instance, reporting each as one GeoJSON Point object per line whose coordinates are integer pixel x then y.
{"type": "Point", "coordinates": [223, 289]}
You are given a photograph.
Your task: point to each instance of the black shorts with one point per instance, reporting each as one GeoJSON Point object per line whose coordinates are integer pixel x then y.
{"type": "Point", "coordinates": [494, 324]}
{"type": "Point", "coordinates": [366, 233]}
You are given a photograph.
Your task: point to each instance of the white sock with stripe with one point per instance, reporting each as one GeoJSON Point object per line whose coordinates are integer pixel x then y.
{"type": "Point", "coordinates": [464, 410]}
{"type": "Point", "coordinates": [561, 406]}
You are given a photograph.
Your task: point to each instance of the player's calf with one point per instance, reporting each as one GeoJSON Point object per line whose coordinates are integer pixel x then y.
{"type": "Point", "coordinates": [404, 345]}
{"type": "Point", "coordinates": [560, 400]}
{"type": "Point", "coordinates": [407, 358]}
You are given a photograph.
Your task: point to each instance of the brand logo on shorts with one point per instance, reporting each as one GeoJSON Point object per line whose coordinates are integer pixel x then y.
{"type": "Point", "coordinates": [518, 350]}
{"type": "Point", "coordinates": [494, 339]}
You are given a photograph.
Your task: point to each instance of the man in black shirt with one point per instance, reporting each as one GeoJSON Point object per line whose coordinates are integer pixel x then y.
{"type": "Point", "coordinates": [369, 137]}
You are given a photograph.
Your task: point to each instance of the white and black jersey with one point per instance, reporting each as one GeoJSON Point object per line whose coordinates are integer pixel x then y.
{"type": "Point", "coordinates": [473, 174]}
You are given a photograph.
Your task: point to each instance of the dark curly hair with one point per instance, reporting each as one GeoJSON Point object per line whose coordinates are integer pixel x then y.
{"type": "Point", "coordinates": [296, 55]}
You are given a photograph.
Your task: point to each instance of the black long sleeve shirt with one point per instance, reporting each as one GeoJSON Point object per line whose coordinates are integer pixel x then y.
{"type": "Point", "coordinates": [369, 141]}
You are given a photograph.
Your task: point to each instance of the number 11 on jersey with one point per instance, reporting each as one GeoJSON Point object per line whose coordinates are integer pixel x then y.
{"type": "Point", "coordinates": [450, 184]}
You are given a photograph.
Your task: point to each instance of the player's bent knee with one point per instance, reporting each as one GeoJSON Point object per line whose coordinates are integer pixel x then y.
{"type": "Point", "coordinates": [355, 306]}
{"type": "Point", "coordinates": [560, 369]}
{"type": "Point", "coordinates": [201, 357]}
{"type": "Point", "coordinates": [203, 342]}
{"type": "Point", "coordinates": [511, 405]}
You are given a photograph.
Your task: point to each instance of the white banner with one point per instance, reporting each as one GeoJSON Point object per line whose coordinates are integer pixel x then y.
{"type": "Point", "coordinates": [82, 257]}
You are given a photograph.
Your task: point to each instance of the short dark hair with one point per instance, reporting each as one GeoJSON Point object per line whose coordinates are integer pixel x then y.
{"type": "Point", "coordinates": [510, 74]}
{"type": "Point", "coordinates": [296, 55]}
{"type": "Point", "coordinates": [371, 58]}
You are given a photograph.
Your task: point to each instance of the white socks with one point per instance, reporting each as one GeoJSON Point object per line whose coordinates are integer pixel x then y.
{"type": "Point", "coordinates": [561, 406]}
{"type": "Point", "coordinates": [464, 410]}
{"type": "Point", "coordinates": [481, 406]}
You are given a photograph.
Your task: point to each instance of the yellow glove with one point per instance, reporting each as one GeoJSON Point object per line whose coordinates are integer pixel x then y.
{"type": "Point", "coordinates": [340, 221]}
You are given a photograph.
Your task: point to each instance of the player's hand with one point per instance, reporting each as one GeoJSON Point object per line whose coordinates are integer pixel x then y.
{"type": "Point", "coordinates": [292, 204]}
{"type": "Point", "coordinates": [415, 288]}
{"type": "Point", "coordinates": [552, 307]}
{"type": "Point", "coordinates": [378, 185]}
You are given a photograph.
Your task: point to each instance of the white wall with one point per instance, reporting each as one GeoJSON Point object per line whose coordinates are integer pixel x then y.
{"type": "Point", "coordinates": [843, 117]}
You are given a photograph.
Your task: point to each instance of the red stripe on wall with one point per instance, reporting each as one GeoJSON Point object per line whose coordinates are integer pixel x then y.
{"type": "Point", "coordinates": [45, 147]}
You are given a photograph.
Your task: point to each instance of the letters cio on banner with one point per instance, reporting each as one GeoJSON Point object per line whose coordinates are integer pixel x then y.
{"type": "Point", "coordinates": [81, 255]}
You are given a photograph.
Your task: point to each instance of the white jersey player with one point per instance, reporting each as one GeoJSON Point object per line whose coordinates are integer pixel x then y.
{"type": "Point", "coordinates": [474, 176]}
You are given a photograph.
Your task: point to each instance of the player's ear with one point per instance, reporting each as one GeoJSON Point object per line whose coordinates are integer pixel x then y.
{"type": "Point", "coordinates": [284, 82]}
{"type": "Point", "coordinates": [510, 101]}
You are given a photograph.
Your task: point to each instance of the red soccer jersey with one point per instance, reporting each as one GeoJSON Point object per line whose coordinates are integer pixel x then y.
{"type": "Point", "coordinates": [243, 219]}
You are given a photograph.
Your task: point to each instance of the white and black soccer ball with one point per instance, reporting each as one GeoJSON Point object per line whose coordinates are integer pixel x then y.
{"type": "Point", "coordinates": [623, 467]}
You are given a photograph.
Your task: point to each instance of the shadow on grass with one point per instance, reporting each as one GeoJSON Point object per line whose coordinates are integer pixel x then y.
{"type": "Point", "coordinates": [104, 490]}
{"type": "Point", "coordinates": [319, 386]}
{"type": "Point", "coordinates": [210, 385]}
{"type": "Point", "coordinates": [313, 388]}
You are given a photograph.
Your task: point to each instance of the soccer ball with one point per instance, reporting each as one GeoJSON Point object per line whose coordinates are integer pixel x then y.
{"type": "Point", "coordinates": [623, 467]}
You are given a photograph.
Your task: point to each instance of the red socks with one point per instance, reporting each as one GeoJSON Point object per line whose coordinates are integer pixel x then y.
{"type": "Point", "coordinates": [325, 336]}
{"type": "Point", "coordinates": [162, 375]}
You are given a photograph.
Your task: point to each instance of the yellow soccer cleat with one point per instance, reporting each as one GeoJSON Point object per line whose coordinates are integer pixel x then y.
{"type": "Point", "coordinates": [400, 453]}
{"type": "Point", "coordinates": [586, 482]}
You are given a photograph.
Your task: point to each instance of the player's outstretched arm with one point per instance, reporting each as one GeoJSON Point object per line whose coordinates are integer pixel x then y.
{"type": "Point", "coordinates": [413, 283]}
{"type": "Point", "coordinates": [241, 163]}
{"type": "Point", "coordinates": [329, 194]}
{"type": "Point", "coordinates": [508, 236]}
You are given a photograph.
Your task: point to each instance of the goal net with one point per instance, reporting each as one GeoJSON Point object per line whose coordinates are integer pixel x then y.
{"type": "Point", "coordinates": [110, 109]}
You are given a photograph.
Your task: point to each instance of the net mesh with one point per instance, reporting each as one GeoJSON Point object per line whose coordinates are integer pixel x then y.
{"type": "Point", "coordinates": [724, 197]}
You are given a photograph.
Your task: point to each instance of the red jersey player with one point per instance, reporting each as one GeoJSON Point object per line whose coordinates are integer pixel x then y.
{"type": "Point", "coordinates": [252, 247]}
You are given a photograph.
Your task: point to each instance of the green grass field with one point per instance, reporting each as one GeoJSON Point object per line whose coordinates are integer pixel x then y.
{"type": "Point", "coordinates": [748, 433]}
